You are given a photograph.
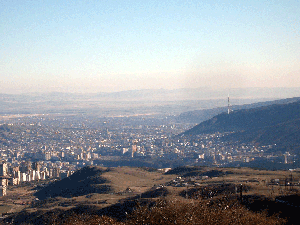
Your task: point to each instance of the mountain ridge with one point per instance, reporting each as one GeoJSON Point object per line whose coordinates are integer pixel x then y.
{"type": "Point", "coordinates": [198, 116]}
{"type": "Point", "coordinates": [276, 123]}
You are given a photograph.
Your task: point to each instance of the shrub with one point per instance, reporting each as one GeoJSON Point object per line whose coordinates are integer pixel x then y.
{"type": "Point", "coordinates": [201, 212]}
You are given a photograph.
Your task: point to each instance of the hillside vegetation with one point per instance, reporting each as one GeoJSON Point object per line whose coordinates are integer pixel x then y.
{"type": "Point", "coordinates": [85, 181]}
{"type": "Point", "coordinates": [198, 116]}
{"type": "Point", "coordinates": [274, 124]}
{"type": "Point", "coordinates": [183, 195]}
{"type": "Point", "coordinates": [166, 212]}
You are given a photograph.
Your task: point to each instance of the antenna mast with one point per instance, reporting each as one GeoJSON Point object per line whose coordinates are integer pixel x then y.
{"type": "Point", "coordinates": [228, 105]}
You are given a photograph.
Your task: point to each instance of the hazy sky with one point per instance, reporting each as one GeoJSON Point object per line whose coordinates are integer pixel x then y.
{"type": "Point", "coordinates": [94, 46]}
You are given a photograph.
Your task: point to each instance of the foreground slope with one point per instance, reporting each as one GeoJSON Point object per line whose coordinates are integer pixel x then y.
{"type": "Point", "coordinates": [185, 195]}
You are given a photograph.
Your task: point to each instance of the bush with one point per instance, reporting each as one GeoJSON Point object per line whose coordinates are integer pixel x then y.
{"type": "Point", "coordinates": [169, 212]}
{"type": "Point", "coordinates": [201, 212]}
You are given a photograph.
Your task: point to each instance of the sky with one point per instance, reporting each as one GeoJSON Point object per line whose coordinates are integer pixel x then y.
{"type": "Point", "coordinates": [106, 46]}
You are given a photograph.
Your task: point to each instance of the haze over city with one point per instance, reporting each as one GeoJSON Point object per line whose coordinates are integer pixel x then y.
{"type": "Point", "coordinates": [109, 46]}
{"type": "Point", "coordinates": [149, 112]}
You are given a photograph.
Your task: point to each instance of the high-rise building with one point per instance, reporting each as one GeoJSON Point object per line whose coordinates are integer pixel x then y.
{"type": "Point", "coordinates": [56, 172]}
{"type": "Point", "coordinates": [134, 148]}
{"type": "Point", "coordinates": [43, 175]}
{"type": "Point", "coordinates": [36, 166]}
{"type": "Point", "coordinates": [3, 178]}
{"type": "Point", "coordinates": [3, 169]}
{"type": "Point", "coordinates": [2, 191]}
{"type": "Point", "coordinates": [47, 156]}
{"type": "Point", "coordinates": [3, 182]}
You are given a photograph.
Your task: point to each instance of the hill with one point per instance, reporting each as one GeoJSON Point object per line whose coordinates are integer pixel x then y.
{"type": "Point", "coordinates": [184, 195]}
{"type": "Point", "coordinates": [85, 181]}
{"type": "Point", "coordinates": [198, 116]}
{"type": "Point", "coordinates": [273, 124]}
{"type": "Point", "coordinates": [101, 180]}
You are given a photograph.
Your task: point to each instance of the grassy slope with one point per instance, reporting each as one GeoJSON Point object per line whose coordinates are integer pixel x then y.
{"type": "Point", "coordinates": [125, 206]}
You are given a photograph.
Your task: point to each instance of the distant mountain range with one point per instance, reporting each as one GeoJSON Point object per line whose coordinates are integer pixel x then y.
{"type": "Point", "coordinates": [278, 123]}
{"type": "Point", "coordinates": [159, 101]}
{"type": "Point", "coordinates": [203, 93]}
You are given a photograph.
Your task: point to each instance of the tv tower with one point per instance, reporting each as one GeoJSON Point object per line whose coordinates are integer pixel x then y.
{"type": "Point", "coordinates": [228, 106]}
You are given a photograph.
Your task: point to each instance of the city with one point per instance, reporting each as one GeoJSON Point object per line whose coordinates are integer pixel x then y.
{"type": "Point", "coordinates": [41, 147]}
{"type": "Point", "coordinates": [149, 112]}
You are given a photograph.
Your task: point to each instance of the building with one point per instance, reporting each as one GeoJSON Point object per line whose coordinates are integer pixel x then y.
{"type": "Point", "coordinates": [25, 167]}
{"type": "Point", "coordinates": [47, 156]}
{"type": "Point", "coordinates": [3, 169]}
{"type": "Point", "coordinates": [36, 166]}
{"type": "Point", "coordinates": [13, 181]}
{"type": "Point", "coordinates": [3, 186]}
{"type": "Point", "coordinates": [3, 182]}
{"type": "Point", "coordinates": [56, 172]}
{"type": "Point", "coordinates": [2, 191]}
{"type": "Point", "coordinates": [134, 149]}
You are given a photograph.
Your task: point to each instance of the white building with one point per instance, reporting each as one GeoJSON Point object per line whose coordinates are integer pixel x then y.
{"type": "Point", "coordinates": [2, 191]}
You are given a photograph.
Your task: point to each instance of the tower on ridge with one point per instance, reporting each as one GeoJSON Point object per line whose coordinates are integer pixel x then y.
{"type": "Point", "coordinates": [228, 105]}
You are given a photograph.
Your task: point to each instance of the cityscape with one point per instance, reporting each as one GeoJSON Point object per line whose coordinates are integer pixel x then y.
{"type": "Point", "coordinates": [41, 147]}
{"type": "Point", "coordinates": [149, 112]}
